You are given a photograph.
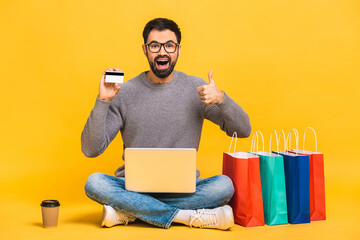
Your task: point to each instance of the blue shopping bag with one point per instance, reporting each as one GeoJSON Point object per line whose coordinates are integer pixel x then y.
{"type": "Point", "coordinates": [297, 182]}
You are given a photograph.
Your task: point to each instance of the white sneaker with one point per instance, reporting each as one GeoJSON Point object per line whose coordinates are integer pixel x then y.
{"type": "Point", "coordinates": [220, 218]}
{"type": "Point", "coordinates": [111, 217]}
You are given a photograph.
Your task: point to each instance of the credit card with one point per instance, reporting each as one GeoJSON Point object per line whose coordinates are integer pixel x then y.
{"type": "Point", "coordinates": [114, 77]}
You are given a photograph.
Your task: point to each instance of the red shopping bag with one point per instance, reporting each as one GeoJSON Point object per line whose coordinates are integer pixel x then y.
{"type": "Point", "coordinates": [247, 203]}
{"type": "Point", "coordinates": [317, 180]}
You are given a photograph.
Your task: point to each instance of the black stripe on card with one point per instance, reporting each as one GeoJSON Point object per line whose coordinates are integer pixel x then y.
{"type": "Point", "coordinates": [115, 73]}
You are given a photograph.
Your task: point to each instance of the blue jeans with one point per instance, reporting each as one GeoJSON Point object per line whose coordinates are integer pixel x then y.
{"type": "Point", "coordinates": [158, 209]}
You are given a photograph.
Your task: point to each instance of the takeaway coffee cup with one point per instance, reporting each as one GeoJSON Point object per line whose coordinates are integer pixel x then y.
{"type": "Point", "coordinates": [50, 213]}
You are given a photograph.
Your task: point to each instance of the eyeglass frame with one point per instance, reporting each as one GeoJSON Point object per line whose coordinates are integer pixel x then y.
{"type": "Point", "coordinates": [162, 45]}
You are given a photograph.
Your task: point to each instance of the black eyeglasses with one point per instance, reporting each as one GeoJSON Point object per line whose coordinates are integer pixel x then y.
{"type": "Point", "coordinates": [169, 46]}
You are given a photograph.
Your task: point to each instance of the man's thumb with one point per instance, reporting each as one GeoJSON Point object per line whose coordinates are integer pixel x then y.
{"type": "Point", "coordinates": [211, 80]}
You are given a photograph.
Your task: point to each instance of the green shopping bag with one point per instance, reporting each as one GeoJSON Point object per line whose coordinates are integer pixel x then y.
{"type": "Point", "coordinates": [272, 182]}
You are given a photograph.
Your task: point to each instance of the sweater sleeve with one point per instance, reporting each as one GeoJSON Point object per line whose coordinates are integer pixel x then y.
{"type": "Point", "coordinates": [101, 128]}
{"type": "Point", "coordinates": [230, 117]}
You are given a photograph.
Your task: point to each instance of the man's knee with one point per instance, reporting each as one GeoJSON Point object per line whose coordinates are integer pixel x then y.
{"type": "Point", "coordinates": [225, 186]}
{"type": "Point", "coordinates": [94, 182]}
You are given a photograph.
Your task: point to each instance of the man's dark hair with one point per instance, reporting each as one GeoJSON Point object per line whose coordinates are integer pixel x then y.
{"type": "Point", "coordinates": [162, 24]}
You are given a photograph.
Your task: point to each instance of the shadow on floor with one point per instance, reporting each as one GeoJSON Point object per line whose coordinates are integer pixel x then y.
{"type": "Point", "coordinates": [36, 224]}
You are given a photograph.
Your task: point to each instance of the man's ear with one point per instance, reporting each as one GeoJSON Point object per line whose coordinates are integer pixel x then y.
{"type": "Point", "coordinates": [144, 49]}
{"type": "Point", "coordinates": [179, 50]}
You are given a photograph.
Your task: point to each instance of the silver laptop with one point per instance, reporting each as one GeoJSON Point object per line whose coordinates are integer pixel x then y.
{"type": "Point", "coordinates": [160, 170]}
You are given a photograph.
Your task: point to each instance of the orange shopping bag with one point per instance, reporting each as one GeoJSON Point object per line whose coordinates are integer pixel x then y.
{"type": "Point", "coordinates": [244, 170]}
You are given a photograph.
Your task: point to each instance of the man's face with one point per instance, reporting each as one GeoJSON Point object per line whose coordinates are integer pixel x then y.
{"type": "Point", "coordinates": [162, 63]}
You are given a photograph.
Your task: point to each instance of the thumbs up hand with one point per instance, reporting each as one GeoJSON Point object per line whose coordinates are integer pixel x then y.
{"type": "Point", "coordinates": [210, 94]}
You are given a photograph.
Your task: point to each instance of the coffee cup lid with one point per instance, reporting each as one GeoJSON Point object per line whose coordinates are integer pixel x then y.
{"type": "Point", "coordinates": [50, 203]}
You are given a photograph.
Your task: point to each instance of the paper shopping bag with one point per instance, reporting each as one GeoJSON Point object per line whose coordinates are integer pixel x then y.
{"type": "Point", "coordinates": [273, 188]}
{"type": "Point", "coordinates": [297, 182]}
{"type": "Point", "coordinates": [317, 180]}
{"type": "Point", "coordinates": [244, 170]}
{"type": "Point", "coordinates": [272, 183]}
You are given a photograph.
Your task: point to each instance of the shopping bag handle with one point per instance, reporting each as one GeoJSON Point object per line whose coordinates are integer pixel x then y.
{"type": "Point", "coordinates": [315, 138]}
{"type": "Point", "coordinates": [277, 141]}
{"type": "Point", "coordinates": [234, 135]}
{"type": "Point", "coordinates": [256, 145]}
{"type": "Point", "coordinates": [255, 137]}
{"type": "Point", "coordinates": [285, 145]}
{"type": "Point", "coordinates": [288, 139]}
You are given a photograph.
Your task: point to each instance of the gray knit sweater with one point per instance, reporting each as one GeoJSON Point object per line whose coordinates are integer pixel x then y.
{"type": "Point", "coordinates": [151, 115]}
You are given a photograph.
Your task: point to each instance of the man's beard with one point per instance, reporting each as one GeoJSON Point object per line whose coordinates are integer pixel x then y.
{"type": "Point", "coordinates": [162, 73]}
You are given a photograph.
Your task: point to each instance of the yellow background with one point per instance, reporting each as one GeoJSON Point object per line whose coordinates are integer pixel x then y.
{"type": "Point", "coordinates": [287, 63]}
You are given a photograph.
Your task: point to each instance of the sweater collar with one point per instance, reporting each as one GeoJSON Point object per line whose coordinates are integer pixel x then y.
{"type": "Point", "coordinates": [159, 85]}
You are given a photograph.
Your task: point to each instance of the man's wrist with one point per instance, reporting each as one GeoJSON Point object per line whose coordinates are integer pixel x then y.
{"type": "Point", "coordinates": [221, 98]}
{"type": "Point", "coordinates": [104, 99]}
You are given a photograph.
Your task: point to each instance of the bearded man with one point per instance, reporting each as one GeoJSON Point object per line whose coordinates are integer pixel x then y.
{"type": "Point", "coordinates": [161, 108]}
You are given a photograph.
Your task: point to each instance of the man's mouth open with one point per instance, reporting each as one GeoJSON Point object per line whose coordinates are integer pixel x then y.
{"type": "Point", "coordinates": [162, 64]}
